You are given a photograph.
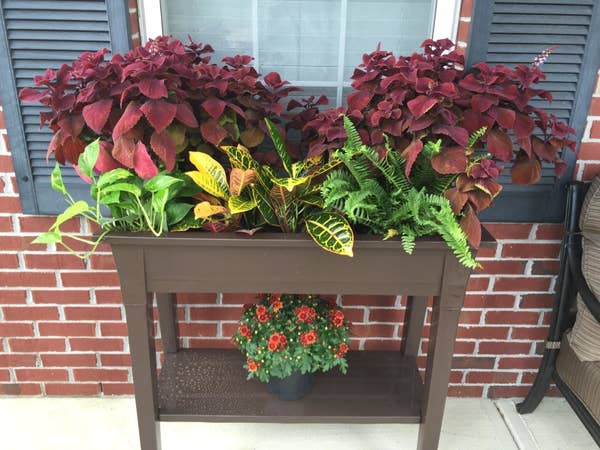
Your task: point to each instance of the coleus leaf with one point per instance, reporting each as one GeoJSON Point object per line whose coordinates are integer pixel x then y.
{"type": "Point", "coordinates": [127, 121]}
{"type": "Point", "coordinates": [450, 160]}
{"type": "Point", "coordinates": [96, 114]}
{"type": "Point", "coordinates": [163, 145]}
{"type": "Point", "coordinates": [504, 116]}
{"type": "Point", "coordinates": [185, 114]}
{"type": "Point", "coordinates": [143, 164]}
{"type": "Point", "coordinates": [214, 107]}
{"type": "Point", "coordinates": [213, 132]}
{"type": "Point", "coordinates": [29, 94]}
{"type": "Point", "coordinates": [499, 144]}
{"type": "Point", "coordinates": [252, 137]}
{"type": "Point", "coordinates": [457, 199]}
{"type": "Point", "coordinates": [153, 88]}
{"type": "Point", "coordinates": [471, 226]}
{"type": "Point", "coordinates": [410, 153]}
{"type": "Point", "coordinates": [358, 100]}
{"type": "Point", "coordinates": [159, 113]}
{"type": "Point", "coordinates": [421, 104]}
{"type": "Point", "coordinates": [526, 170]}
{"type": "Point", "coordinates": [72, 125]}
{"type": "Point", "coordinates": [124, 151]}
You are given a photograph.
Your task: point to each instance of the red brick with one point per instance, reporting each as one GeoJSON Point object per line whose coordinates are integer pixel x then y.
{"type": "Point", "coordinates": [382, 344]}
{"type": "Point", "coordinates": [6, 225]}
{"type": "Point", "coordinates": [589, 151]}
{"type": "Point", "coordinates": [216, 313]}
{"type": "Point", "coordinates": [512, 317]}
{"type": "Point", "coordinates": [198, 329]}
{"type": "Point", "coordinates": [60, 296]}
{"type": "Point", "coordinates": [96, 344]}
{"type": "Point", "coordinates": [489, 301]}
{"type": "Point", "coordinates": [486, 252]}
{"type": "Point", "coordinates": [477, 284]}
{"type": "Point", "coordinates": [463, 32]}
{"type": "Point", "coordinates": [17, 360]}
{"type": "Point", "coordinates": [460, 347]}
{"type": "Point", "coordinates": [27, 279]}
{"type": "Point", "coordinates": [373, 330]}
{"type": "Point", "coordinates": [590, 170]}
{"type": "Point", "coordinates": [491, 377]}
{"type": "Point", "coordinates": [354, 314]}
{"type": "Point", "coordinates": [504, 348]}
{"type": "Point", "coordinates": [595, 131]}
{"type": "Point", "coordinates": [6, 165]}
{"type": "Point", "coordinates": [93, 313]}
{"type": "Point", "coordinates": [9, 261]}
{"type": "Point", "coordinates": [465, 391]}
{"type": "Point", "coordinates": [20, 389]}
{"type": "Point", "coordinates": [30, 312]}
{"type": "Point", "coordinates": [473, 362]}
{"type": "Point", "coordinates": [528, 362]}
{"type": "Point", "coordinates": [12, 297]}
{"type": "Point", "coordinates": [386, 315]}
{"type": "Point", "coordinates": [67, 329]}
{"type": "Point", "coordinates": [529, 333]}
{"type": "Point", "coordinates": [509, 231]}
{"type": "Point", "coordinates": [4, 375]}
{"type": "Point", "coordinates": [545, 267]}
{"type": "Point", "coordinates": [10, 204]}
{"type": "Point", "coordinates": [369, 300]}
{"type": "Point", "coordinates": [39, 224]}
{"type": "Point", "coordinates": [117, 388]}
{"type": "Point", "coordinates": [102, 262]}
{"type": "Point", "coordinates": [20, 243]}
{"type": "Point", "coordinates": [113, 329]}
{"type": "Point", "coordinates": [37, 345]}
{"type": "Point", "coordinates": [53, 261]}
{"type": "Point", "coordinates": [16, 329]}
{"type": "Point", "coordinates": [468, 316]}
{"type": "Point", "coordinates": [520, 284]}
{"type": "Point", "coordinates": [537, 301]}
{"type": "Point", "coordinates": [41, 374]}
{"type": "Point", "coordinates": [484, 332]}
{"type": "Point", "coordinates": [228, 299]}
{"type": "Point", "coordinates": [531, 250]}
{"type": "Point", "coordinates": [507, 391]}
{"type": "Point", "coordinates": [509, 267]}
{"type": "Point", "coordinates": [108, 296]}
{"type": "Point", "coordinates": [72, 389]}
{"type": "Point", "coordinates": [84, 279]}
{"type": "Point", "coordinates": [466, 8]}
{"type": "Point", "coordinates": [549, 231]}
{"type": "Point", "coordinates": [115, 359]}
{"type": "Point", "coordinates": [68, 360]}
{"type": "Point", "coordinates": [100, 374]}
{"type": "Point", "coordinates": [228, 328]}
{"type": "Point", "coordinates": [595, 108]}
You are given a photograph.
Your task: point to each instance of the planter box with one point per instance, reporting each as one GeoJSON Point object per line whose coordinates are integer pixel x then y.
{"type": "Point", "coordinates": [209, 385]}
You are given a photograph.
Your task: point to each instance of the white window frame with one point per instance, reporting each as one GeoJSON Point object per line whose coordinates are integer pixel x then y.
{"type": "Point", "coordinates": [445, 25]}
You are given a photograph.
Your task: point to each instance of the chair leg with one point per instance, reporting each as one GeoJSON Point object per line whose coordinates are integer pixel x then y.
{"type": "Point", "coordinates": [541, 383]}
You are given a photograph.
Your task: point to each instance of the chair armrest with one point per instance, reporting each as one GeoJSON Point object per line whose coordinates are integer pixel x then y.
{"type": "Point", "coordinates": [574, 261]}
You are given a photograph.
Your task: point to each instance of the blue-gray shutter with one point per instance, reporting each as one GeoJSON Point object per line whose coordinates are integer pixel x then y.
{"type": "Point", "coordinates": [513, 32]}
{"type": "Point", "coordinates": [37, 35]}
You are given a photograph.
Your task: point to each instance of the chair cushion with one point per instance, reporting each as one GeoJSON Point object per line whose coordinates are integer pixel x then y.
{"type": "Point", "coordinates": [589, 218]}
{"type": "Point", "coordinates": [582, 377]}
{"type": "Point", "coordinates": [584, 338]}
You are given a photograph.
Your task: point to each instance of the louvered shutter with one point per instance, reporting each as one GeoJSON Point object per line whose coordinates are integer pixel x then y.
{"type": "Point", "coordinates": [513, 32]}
{"type": "Point", "coordinates": [37, 35]}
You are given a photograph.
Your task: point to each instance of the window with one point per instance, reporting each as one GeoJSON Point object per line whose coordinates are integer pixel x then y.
{"type": "Point", "coordinates": [314, 44]}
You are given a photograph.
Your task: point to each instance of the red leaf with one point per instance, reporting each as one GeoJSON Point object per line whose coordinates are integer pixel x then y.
{"type": "Point", "coordinates": [128, 120]}
{"type": "Point", "coordinates": [479, 200]}
{"type": "Point", "coordinates": [124, 151]}
{"type": "Point", "coordinates": [560, 167]}
{"type": "Point", "coordinates": [472, 227]}
{"type": "Point", "coordinates": [500, 145]}
{"type": "Point", "coordinates": [153, 88]}
{"type": "Point", "coordinates": [482, 103]}
{"type": "Point", "coordinates": [505, 117]}
{"type": "Point", "coordinates": [458, 134]}
{"type": "Point", "coordinates": [213, 132]}
{"type": "Point", "coordinates": [214, 106]}
{"type": "Point", "coordinates": [96, 114]}
{"type": "Point", "coordinates": [420, 105]}
{"type": "Point", "coordinates": [526, 170]}
{"type": "Point", "coordinates": [450, 160]}
{"type": "Point", "coordinates": [185, 114]}
{"type": "Point", "coordinates": [71, 149]}
{"type": "Point", "coordinates": [159, 113]}
{"type": "Point", "coordinates": [457, 199]}
{"type": "Point", "coordinates": [524, 126]}
{"type": "Point", "coordinates": [358, 100]}
{"type": "Point", "coordinates": [164, 146]}
{"type": "Point", "coordinates": [410, 153]}
{"type": "Point", "coordinates": [105, 161]}
{"type": "Point", "coordinates": [55, 144]}
{"type": "Point", "coordinates": [72, 125]}
{"type": "Point", "coordinates": [143, 164]}
{"type": "Point", "coordinates": [273, 80]}
{"type": "Point", "coordinates": [30, 95]}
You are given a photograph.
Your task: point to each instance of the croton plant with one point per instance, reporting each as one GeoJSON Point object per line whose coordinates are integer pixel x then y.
{"type": "Point", "coordinates": [170, 141]}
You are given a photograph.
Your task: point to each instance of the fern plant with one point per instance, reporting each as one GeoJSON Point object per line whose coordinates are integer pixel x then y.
{"type": "Point", "coordinates": [374, 192]}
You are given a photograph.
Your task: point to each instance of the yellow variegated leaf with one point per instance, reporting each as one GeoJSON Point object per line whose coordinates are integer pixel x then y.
{"type": "Point", "coordinates": [239, 179]}
{"type": "Point", "coordinates": [279, 143]}
{"type": "Point", "coordinates": [321, 170]}
{"type": "Point", "coordinates": [281, 197]}
{"type": "Point", "coordinates": [204, 210]}
{"type": "Point", "coordinates": [263, 203]}
{"type": "Point", "coordinates": [290, 183]}
{"type": "Point", "coordinates": [239, 157]}
{"type": "Point", "coordinates": [208, 184]}
{"type": "Point", "coordinates": [332, 232]}
{"type": "Point", "coordinates": [206, 163]}
{"type": "Point", "coordinates": [313, 199]}
{"type": "Point", "coordinates": [237, 204]}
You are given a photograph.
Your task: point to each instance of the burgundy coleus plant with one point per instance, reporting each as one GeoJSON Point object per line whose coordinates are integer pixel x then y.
{"type": "Point", "coordinates": [152, 103]}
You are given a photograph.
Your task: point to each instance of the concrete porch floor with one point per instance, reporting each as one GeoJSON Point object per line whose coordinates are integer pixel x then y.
{"type": "Point", "coordinates": [110, 423]}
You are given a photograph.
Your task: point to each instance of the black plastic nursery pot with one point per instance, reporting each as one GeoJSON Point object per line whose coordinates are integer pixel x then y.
{"type": "Point", "coordinates": [210, 384]}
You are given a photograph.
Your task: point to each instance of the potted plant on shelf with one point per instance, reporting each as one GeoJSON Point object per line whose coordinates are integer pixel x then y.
{"type": "Point", "coordinates": [286, 338]}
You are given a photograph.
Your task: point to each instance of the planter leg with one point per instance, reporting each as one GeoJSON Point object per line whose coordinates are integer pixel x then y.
{"type": "Point", "coordinates": [415, 315]}
{"type": "Point", "coordinates": [444, 322]}
{"type": "Point", "coordinates": [138, 308]}
{"type": "Point", "coordinates": [168, 321]}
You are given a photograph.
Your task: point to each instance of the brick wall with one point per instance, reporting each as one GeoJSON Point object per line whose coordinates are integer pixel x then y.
{"type": "Point", "coordinates": [62, 329]}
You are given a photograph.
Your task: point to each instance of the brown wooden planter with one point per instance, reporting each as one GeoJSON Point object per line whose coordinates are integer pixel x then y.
{"type": "Point", "coordinates": [210, 385]}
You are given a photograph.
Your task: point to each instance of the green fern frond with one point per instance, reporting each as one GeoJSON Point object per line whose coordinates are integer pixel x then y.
{"type": "Point", "coordinates": [475, 136]}
{"type": "Point", "coordinates": [353, 140]}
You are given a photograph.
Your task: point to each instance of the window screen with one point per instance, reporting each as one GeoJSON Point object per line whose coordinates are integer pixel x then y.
{"type": "Point", "coordinates": [312, 43]}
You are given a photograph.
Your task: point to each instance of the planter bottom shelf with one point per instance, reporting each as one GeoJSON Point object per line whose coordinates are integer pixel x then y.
{"type": "Point", "coordinates": [210, 385]}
